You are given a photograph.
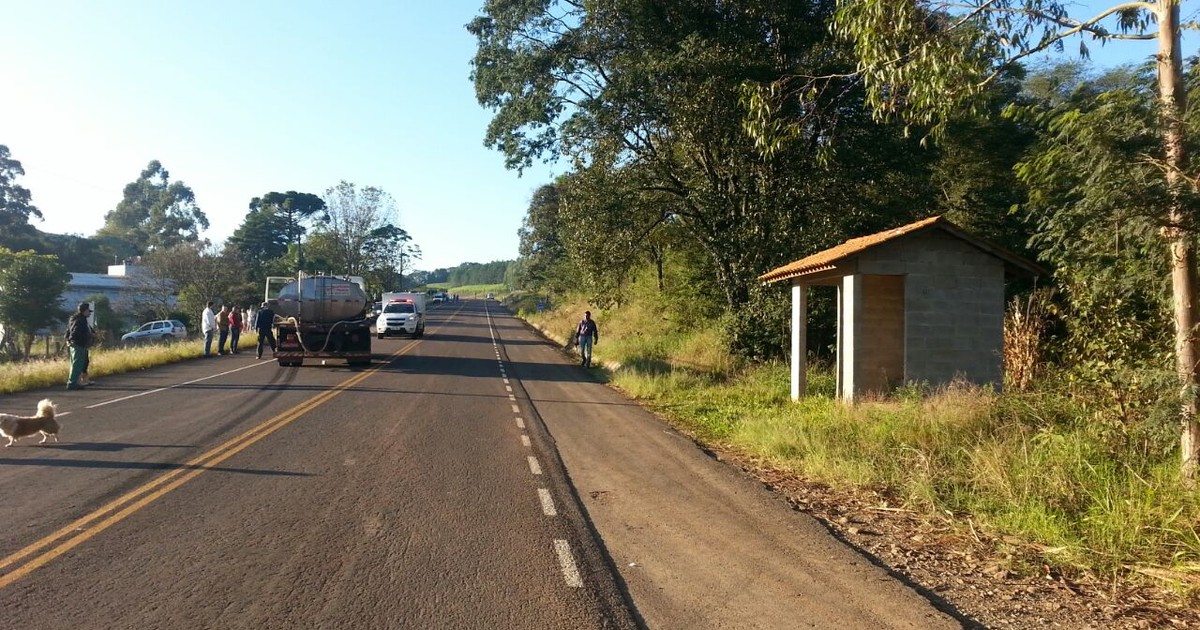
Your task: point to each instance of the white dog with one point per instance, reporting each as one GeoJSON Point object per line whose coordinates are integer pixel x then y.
{"type": "Point", "coordinates": [17, 427]}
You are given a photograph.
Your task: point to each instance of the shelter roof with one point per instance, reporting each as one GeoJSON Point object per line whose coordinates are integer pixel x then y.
{"type": "Point", "coordinates": [828, 259]}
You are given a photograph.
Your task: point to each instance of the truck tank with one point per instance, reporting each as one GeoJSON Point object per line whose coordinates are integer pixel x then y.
{"type": "Point", "coordinates": [321, 299]}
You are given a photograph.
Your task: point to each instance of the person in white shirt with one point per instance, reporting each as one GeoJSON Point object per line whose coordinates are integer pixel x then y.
{"type": "Point", "coordinates": [208, 325]}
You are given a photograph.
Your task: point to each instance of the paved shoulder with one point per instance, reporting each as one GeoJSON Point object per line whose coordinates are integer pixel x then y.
{"type": "Point", "coordinates": [698, 544]}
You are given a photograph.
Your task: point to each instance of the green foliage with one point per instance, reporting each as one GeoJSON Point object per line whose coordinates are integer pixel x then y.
{"type": "Point", "coordinates": [263, 237]}
{"type": "Point", "coordinates": [469, 273]}
{"type": "Point", "coordinates": [930, 63]}
{"type": "Point", "coordinates": [1098, 197]}
{"type": "Point", "coordinates": [154, 213]}
{"type": "Point", "coordinates": [645, 99]}
{"type": "Point", "coordinates": [545, 265]}
{"type": "Point", "coordinates": [16, 206]}
{"type": "Point", "coordinates": [288, 212]}
{"type": "Point", "coordinates": [109, 325]}
{"type": "Point", "coordinates": [30, 288]}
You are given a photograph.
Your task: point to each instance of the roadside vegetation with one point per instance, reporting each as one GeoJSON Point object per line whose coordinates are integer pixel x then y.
{"type": "Point", "coordinates": [1053, 470]}
{"type": "Point", "coordinates": [51, 373]}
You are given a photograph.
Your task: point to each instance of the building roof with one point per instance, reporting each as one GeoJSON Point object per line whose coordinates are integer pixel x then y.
{"type": "Point", "coordinates": [96, 281]}
{"type": "Point", "coordinates": [828, 259]}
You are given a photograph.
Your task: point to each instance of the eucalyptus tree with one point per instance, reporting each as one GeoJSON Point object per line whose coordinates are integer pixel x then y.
{"type": "Point", "coordinates": [652, 88]}
{"type": "Point", "coordinates": [154, 213]}
{"type": "Point", "coordinates": [930, 61]}
{"type": "Point", "coordinates": [16, 202]}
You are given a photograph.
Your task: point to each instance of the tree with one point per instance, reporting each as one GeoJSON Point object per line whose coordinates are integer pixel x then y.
{"type": "Point", "coordinates": [15, 200]}
{"type": "Point", "coordinates": [263, 237]}
{"type": "Point", "coordinates": [295, 208]}
{"type": "Point", "coordinates": [545, 264]}
{"type": "Point", "coordinates": [30, 288]}
{"type": "Point", "coordinates": [389, 254]}
{"type": "Point", "coordinates": [15, 207]}
{"type": "Point", "coordinates": [650, 91]}
{"type": "Point", "coordinates": [154, 213]}
{"type": "Point", "coordinates": [360, 221]}
{"type": "Point", "coordinates": [929, 62]}
{"type": "Point", "coordinates": [154, 290]}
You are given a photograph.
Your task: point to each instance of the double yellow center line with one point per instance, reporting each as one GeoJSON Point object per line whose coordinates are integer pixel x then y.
{"type": "Point", "coordinates": [56, 544]}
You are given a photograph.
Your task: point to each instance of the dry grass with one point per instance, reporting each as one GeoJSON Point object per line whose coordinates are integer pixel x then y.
{"type": "Point", "coordinates": [42, 373]}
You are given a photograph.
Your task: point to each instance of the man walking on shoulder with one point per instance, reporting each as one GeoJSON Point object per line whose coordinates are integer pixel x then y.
{"type": "Point", "coordinates": [587, 334]}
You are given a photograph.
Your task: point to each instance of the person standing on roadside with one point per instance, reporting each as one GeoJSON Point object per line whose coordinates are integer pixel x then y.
{"type": "Point", "coordinates": [222, 329]}
{"type": "Point", "coordinates": [235, 329]}
{"type": "Point", "coordinates": [586, 335]}
{"type": "Point", "coordinates": [208, 325]}
{"type": "Point", "coordinates": [264, 323]}
{"type": "Point", "coordinates": [79, 337]}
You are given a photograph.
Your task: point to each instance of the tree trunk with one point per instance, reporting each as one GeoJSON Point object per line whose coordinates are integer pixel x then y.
{"type": "Point", "coordinates": [1180, 233]}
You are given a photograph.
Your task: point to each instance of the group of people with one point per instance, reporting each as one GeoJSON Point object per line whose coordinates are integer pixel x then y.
{"type": "Point", "coordinates": [229, 323]}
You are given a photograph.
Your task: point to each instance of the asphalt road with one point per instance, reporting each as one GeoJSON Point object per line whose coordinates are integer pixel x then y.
{"type": "Point", "coordinates": [474, 478]}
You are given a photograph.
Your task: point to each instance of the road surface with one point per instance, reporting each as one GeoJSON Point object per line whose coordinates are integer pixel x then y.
{"type": "Point", "coordinates": [474, 478]}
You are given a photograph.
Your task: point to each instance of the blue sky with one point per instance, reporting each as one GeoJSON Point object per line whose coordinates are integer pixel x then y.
{"type": "Point", "coordinates": [240, 98]}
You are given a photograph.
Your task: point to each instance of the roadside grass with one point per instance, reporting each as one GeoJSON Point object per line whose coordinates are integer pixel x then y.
{"type": "Point", "coordinates": [52, 373]}
{"type": "Point", "coordinates": [1028, 468]}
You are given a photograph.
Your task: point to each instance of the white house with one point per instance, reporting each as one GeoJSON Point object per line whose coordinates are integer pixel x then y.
{"type": "Point", "coordinates": [128, 287]}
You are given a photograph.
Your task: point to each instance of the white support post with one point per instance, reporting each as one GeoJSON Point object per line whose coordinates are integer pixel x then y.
{"type": "Point", "coordinates": [850, 311]}
{"type": "Point", "coordinates": [799, 341]}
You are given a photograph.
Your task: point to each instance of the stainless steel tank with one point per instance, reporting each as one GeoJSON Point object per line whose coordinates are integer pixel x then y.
{"type": "Point", "coordinates": [322, 299]}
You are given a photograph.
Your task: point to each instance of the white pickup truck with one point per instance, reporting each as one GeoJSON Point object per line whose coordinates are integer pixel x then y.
{"type": "Point", "coordinates": [403, 313]}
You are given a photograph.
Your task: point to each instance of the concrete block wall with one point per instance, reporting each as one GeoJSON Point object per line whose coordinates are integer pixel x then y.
{"type": "Point", "coordinates": [954, 298]}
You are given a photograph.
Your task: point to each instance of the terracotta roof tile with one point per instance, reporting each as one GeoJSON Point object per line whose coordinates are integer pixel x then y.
{"type": "Point", "coordinates": [822, 260]}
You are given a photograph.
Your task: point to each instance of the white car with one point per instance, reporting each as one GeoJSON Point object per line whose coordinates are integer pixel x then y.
{"type": "Point", "coordinates": [400, 316]}
{"type": "Point", "coordinates": [161, 330]}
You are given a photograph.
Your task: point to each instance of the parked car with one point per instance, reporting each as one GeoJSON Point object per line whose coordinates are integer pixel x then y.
{"type": "Point", "coordinates": [161, 330]}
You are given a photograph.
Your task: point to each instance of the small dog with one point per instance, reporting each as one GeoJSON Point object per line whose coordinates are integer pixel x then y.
{"type": "Point", "coordinates": [17, 427]}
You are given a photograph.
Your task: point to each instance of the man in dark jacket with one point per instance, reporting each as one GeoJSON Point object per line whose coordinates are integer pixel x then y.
{"type": "Point", "coordinates": [587, 334]}
{"type": "Point", "coordinates": [79, 337]}
{"type": "Point", "coordinates": [264, 324]}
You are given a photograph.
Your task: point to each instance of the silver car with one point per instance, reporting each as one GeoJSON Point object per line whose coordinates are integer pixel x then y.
{"type": "Point", "coordinates": [161, 330]}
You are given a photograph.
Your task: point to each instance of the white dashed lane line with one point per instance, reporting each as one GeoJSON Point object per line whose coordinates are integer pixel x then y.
{"type": "Point", "coordinates": [547, 502]}
{"type": "Point", "coordinates": [562, 548]}
{"type": "Point", "coordinates": [567, 562]}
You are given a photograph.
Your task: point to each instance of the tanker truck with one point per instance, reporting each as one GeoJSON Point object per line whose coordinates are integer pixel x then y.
{"type": "Point", "coordinates": [319, 317]}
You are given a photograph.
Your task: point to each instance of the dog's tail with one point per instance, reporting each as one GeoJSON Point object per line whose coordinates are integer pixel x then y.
{"type": "Point", "coordinates": [45, 409]}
